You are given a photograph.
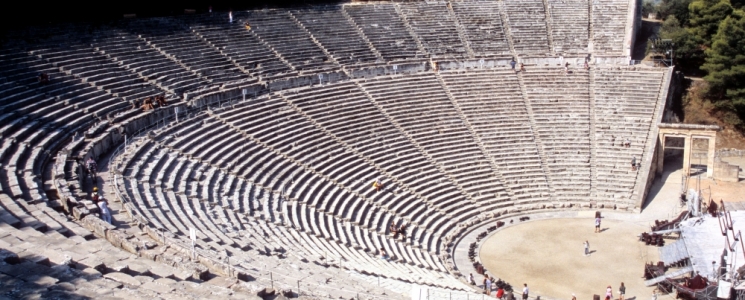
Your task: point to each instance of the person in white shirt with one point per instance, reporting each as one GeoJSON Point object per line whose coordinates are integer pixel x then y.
{"type": "Point", "coordinates": [105, 212]}
{"type": "Point", "coordinates": [525, 291]}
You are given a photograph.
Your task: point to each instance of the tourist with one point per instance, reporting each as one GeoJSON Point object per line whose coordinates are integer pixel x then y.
{"type": "Point", "coordinates": [402, 231]}
{"type": "Point", "coordinates": [471, 280]}
{"type": "Point", "coordinates": [94, 195]}
{"type": "Point", "coordinates": [621, 291]}
{"type": "Point", "coordinates": [90, 165]}
{"type": "Point", "coordinates": [566, 69]}
{"type": "Point", "coordinates": [136, 104]}
{"type": "Point", "coordinates": [597, 224]}
{"type": "Point", "coordinates": [377, 185]}
{"type": "Point", "coordinates": [148, 104]}
{"type": "Point", "coordinates": [587, 66]}
{"type": "Point", "coordinates": [500, 292]}
{"type": "Point", "coordinates": [513, 63]}
{"type": "Point", "coordinates": [230, 16]}
{"type": "Point", "coordinates": [525, 291]}
{"type": "Point", "coordinates": [488, 286]}
{"type": "Point", "coordinates": [574, 297]}
{"type": "Point", "coordinates": [522, 67]}
{"type": "Point", "coordinates": [627, 143]}
{"type": "Point", "coordinates": [609, 293]}
{"type": "Point", "coordinates": [633, 164]}
{"type": "Point", "coordinates": [161, 100]}
{"type": "Point", "coordinates": [383, 255]}
{"type": "Point", "coordinates": [393, 229]}
{"type": "Point", "coordinates": [103, 205]}
{"type": "Point", "coordinates": [587, 248]}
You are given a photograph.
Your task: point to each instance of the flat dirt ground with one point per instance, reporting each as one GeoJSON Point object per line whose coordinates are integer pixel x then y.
{"type": "Point", "coordinates": [548, 256]}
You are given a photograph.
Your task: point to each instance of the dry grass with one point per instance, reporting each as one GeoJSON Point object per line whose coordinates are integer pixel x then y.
{"type": "Point", "coordinates": [697, 110]}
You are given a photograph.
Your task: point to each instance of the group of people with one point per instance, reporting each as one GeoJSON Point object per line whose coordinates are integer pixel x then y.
{"type": "Point", "coordinates": [513, 63]}
{"type": "Point", "coordinates": [96, 198]}
{"type": "Point", "coordinates": [398, 230]}
{"type": "Point", "coordinates": [150, 102]}
{"type": "Point", "coordinates": [621, 292]}
{"type": "Point", "coordinates": [489, 283]}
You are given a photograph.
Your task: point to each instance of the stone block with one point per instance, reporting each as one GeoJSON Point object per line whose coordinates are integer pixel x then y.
{"type": "Point", "coordinates": [225, 282]}
{"type": "Point", "coordinates": [123, 278]}
{"type": "Point", "coordinates": [9, 257]}
{"type": "Point", "coordinates": [158, 288]}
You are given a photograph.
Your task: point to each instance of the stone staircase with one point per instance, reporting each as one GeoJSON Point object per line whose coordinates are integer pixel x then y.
{"type": "Point", "coordinates": [590, 31]}
{"type": "Point", "coordinates": [232, 60]}
{"type": "Point", "coordinates": [506, 28]}
{"type": "Point", "coordinates": [476, 136]}
{"type": "Point", "coordinates": [313, 38]}
{"type": "Point", "coordinates": [411, 31]}
{"type": "Point", "coordinates": [461, 31]}
{"type": "Point", "coordinates": [424, 152]}
{"type": "Point", "coordinates": [361, 33]}
{"type": "Point", "coordinates": [593, 137]}
{"type": "Point", "coordinates": [549, 27]}
{"type": "Point", "coordinates": [536, 136]}
{"type": "Point", "coordinates": [269, 46]}
{"type": "Point", "coordinates": [402, 185]}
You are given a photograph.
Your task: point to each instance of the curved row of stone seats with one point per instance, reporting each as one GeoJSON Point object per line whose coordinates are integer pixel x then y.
{"type": "Point", "coordinates": [420, 106]}
{"type": "Point", "coordinates": [609, 22]}
{"type": "Point", "coordinates": [333, 159]}
{"type": "Point", "coordinates": [40, 116]}
{"type": "Point", "coordinates": [282, 32]}
{"type": "Point", "coordinates": [330, 27]}
{"type": "Point", "coordinates": [560, 105]}
{"type": "Point", "coordinates": [247, 50]}
{"type": "Point", "coordinates": [276, 187]}
{"type": "Point", "coordinates": [97, 70]}
{"type": "Point", "coordinates": [142, 59]}
{"type": "Point", "coordinates": [625, 103]}
{"type": "Point", "coordinates": [174, 40]}
{"type": "Point", "coordinates": [347, 114]}
{"type": "Point", "coordinates": [569, 25]}
{"type": "Point", "coordinates": [435, 27]}
{"type": "Point", "coordinates": [76, 268]}
{"type": "Point", "coordinates": [211, 223]}
{"type": "Point", "coordinates": [385, 29]}
{"type": "Point", "coordinates": [493, 104]}
{"type": "Point", "coordinates": [364, 189]}
{"type": "Point", "coordinates": [527, 21]}
{"type": "Point", "coordinates": [483, 26]}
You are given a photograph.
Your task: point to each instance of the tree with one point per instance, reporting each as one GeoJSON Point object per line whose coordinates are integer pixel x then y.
{"type": "Point", "coordinates": [676, 8]}
{"type": "Point", "coordinates": [705, 16]}
{"type": "Point", "coordinates": [688, 54]}
{"type": "Point", "coordinates": [725, 63]}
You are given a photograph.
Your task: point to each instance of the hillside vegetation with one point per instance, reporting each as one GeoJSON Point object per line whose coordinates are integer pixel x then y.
{"type": "Point", "coordinates": [709, 42]}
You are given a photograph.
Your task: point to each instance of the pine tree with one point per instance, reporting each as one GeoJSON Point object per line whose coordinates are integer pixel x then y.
{"type": "Point", "coordinates": [704, 19]}
{"type": "Point", "coordinates": [725, 63]}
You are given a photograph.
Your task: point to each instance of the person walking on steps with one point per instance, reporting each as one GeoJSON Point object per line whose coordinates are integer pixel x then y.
{"type": "Point", "coordinates": [103, 205]}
